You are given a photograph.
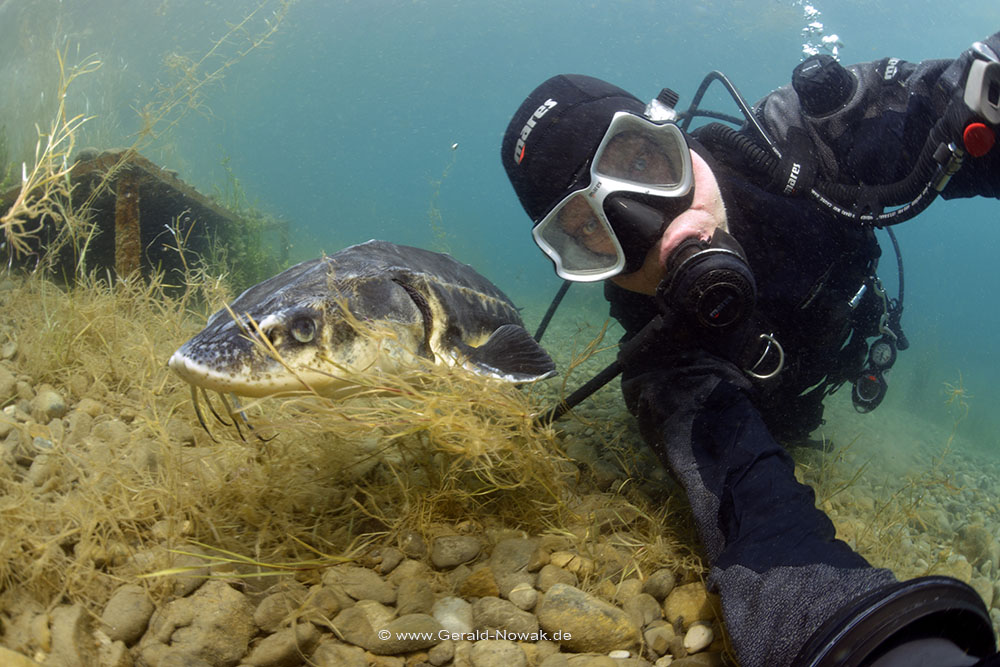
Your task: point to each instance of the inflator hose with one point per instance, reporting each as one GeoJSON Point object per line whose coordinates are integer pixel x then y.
{"type": "Point", "coordinates": [914, 190]}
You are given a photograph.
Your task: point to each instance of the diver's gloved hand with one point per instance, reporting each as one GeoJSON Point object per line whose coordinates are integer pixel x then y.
{"type": "Point", "coordinates": [972, 117]}
{"type": "Point", "coordinates": [706, 307]}
{"type": "Point", "coordinates": [670, 340]}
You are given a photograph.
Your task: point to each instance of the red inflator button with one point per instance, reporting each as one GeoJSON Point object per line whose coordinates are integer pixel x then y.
{"type": "Point", "coordinates": [978, 139]}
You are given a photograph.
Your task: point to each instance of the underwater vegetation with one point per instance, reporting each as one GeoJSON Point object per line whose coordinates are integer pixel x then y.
{"type": "Point", "coordinates": [106, 478]}
{"type": "Point", "coordinates": [111, 479]}
{"type": "Point", "coordinates": [45, 216]}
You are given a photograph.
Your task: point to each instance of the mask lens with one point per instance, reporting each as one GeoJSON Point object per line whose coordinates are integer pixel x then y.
{"type": "Point", "coordinates": [643, 153]}
{"type": "Point", "coordinates": [637, 157]}
{"type": "Point", "coordinates": [579, 240]}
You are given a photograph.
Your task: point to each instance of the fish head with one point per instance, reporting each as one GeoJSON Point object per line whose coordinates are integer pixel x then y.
{"type": "Point", "coordinates": [284, 350]}
{"type": "Point", "coordinates": [299, 340]}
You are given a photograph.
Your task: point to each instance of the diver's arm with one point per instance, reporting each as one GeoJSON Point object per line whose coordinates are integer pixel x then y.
{"type": "Point", "coordinates": [877, 137]}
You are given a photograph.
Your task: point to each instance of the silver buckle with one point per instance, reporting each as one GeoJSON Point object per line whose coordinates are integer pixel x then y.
{"type": "Point", "coordinates": [772, 344]}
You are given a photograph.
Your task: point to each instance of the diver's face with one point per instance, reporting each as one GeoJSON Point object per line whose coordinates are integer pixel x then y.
{"type": "Point", "coordinates": [634, 156]}
{"type": "Point", "coordinates": [635, 159]}
{"type": "Point", "coordinates": [630, 156]}
{"type": "Point", "coordinates": [706, 213]}
{"type": "Point", "coordinates": [579, 220]}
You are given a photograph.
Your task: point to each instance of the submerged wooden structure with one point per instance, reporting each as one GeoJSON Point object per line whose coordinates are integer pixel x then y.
{"type": "Point", "coordinates": [139, 210]}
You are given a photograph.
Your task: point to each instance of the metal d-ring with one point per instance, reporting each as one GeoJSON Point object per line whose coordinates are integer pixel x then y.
{"type": "Point", "coordinates": [771, 341]}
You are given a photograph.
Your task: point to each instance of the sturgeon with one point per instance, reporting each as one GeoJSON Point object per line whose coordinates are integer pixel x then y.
{"type": "Point", "coordinates": [425, 304]}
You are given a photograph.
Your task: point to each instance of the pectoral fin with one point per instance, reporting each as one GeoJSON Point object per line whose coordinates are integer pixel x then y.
{"type": "Point", "coordinates": [511, 354]}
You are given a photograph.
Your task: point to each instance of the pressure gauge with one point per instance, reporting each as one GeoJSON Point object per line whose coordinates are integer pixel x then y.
{"type": "Point", "coordinates": [882, 353]}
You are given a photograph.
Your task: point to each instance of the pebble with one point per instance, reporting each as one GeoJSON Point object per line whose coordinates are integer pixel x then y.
{"type": "Point", "coordinates": [389, 559]}
{"type": "Point", "coordinates": [44, 471]}
{"type": "Point", "coordinates": [976, 542]}
{"type": "Point", "coordinates": [332, 653]}
{"type": "Point", "coordinates": [627, 590]}
{"type": "Point", "coordinates": [956, 566]}
{"type": "Point", "coordinates": [47, 405]}
{"type": "Point", "coordinates": [214, 624]}
{"type": "Point", "coordinates": [408, 569]}
{"type": "Point", "coordinates": [508, 582]}
{"type": "Point", "coordinates": [497, 653]}
{"type": "Point", "coordinates": [10, 658]}
{"type": "Point", "coordinates": [591, 624]}
{"type": "Point", "coordinates": [72, 637]}
{"type": "Point", "coordinates": [660, 583]}
{"type": "Point", "coordinates": [127, 614]}
{"type": "Point", "coordinates": [449, 551]}
{"type": "Point", "coordinates": [454, 615]}
{"type": "Point", "coordinates": [659, 636]}
{"type": "Point", "coordinates": [698, 637]}
{"type": "Point", "coordinates": [479, 584]}
{"type": "Point", "coordinates": [442, 653]}
{"type": "Point", "coordinates": [8, 384]}
{"type": "Point", "coordinates": [643, 608]}
{"type": "Point", "coordinates": [412, 544]}
{"type": "Point", "coordinates": [90, 406]}
{"type": "Point", "coordinates": [550, 575]}
{"type": "Point", "coordinates": [79, 424]}
{"type": "Point", "coordinates": [412, 632]}
{"type": "Point", "coordinates": [112, 431]}
{"type": "Point", "coordinates": [272, 611]}
{"type": "Point", "coordinates": [524, 596]}
{"type": "Point", "coordinates": [575, 563]}
{"type": "Point", "coordinates": [357, 624]}
{"type": "Point", "coordinates": [493, 613]}
{"type": "Point", "coordinates": [688, 603]}
{"type": "Point", "coordinates": [414, 596]}
{"type": "Point", "coordinates": [984, 587]}
{"type": "Point", "coordinates": [285, 647]}
{"type": "Point", "coordinates": [516, 555]}
{"type": "Point", "coordinates": [360, 583]}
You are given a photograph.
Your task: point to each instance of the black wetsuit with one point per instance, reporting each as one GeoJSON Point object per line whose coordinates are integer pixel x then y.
{"type": "Point", "coordinates": [774, 558]}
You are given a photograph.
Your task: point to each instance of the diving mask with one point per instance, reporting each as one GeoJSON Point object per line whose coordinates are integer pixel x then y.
{"type": "Point", "coordinates": [594, 233]}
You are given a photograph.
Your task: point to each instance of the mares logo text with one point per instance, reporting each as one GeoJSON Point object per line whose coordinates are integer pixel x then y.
{"type": "Point", "coordinates": [529, 126]}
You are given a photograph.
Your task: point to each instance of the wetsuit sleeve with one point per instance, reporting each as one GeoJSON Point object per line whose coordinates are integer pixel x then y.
{"type": "Point", "coordinates": [775, 562]}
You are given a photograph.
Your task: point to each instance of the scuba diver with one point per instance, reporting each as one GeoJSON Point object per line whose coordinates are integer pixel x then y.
{"type": "Point", "coordinates": [741, 263]}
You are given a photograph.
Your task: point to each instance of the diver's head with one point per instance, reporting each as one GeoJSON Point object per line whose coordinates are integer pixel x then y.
{"type": "Point", "coordinates": [599, 180]}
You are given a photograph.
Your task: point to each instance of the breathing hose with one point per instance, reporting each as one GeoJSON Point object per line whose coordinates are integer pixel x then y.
{"type": "Point", "coordinates": [913, 194]}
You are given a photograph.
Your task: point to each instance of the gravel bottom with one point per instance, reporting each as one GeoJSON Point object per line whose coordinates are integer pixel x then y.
{"type": "Point", "coordinates": [473, 593]}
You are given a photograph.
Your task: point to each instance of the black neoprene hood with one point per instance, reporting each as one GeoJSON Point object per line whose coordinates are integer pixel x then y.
{"type": "Point", "coordinates": [554, 134]}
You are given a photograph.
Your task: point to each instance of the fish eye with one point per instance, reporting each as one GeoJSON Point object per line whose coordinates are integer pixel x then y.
{"type": "Point", "coordinates": [303, 329]}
